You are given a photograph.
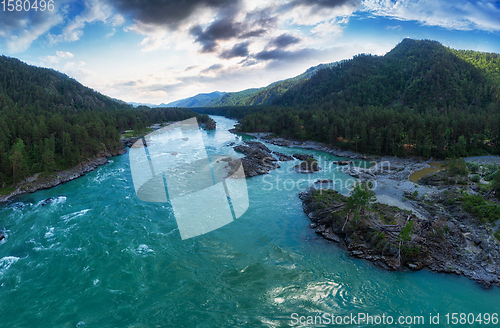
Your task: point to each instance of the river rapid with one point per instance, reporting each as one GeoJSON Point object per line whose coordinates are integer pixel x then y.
{"type": "Point", "coordinates": [97, 256]}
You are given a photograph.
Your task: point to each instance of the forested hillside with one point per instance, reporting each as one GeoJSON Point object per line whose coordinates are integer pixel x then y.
{"type": "Point", "coordinates": [49, 121]}
{"type": "Point", "coordinates": [421, 98]}
{"type": "Point", "coordinates": [417, 74]}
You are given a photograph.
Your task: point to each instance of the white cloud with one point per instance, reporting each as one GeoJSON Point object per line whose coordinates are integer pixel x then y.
{"type": "Point", "coordinates": [453, 15]}
{"type": "Point", "coordinates": [394, 27]}
{"type": "Point", "coordinates": [53, 60]}
{"type": "Point", "coordinates": [64, 54]}
{"type": "Point", "coordinates": [312, 15]}
{"type": "Point", "coordinates": [21, 37]}
{"type": "Point", "coordinates": [83, 75]}
{"type": "Point", "coordinates": [95, 11]}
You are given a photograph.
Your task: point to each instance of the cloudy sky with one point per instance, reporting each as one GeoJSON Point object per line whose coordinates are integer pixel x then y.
{"type": "Point", "coordinates": [155, 51]}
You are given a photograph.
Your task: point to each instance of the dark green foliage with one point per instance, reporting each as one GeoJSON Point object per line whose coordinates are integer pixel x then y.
{"type": "Point", "coordinates": [457, 167]}
{"type": "Point", "coordinates": [473, 167]}
{"type": "Point", "coordinates": [489, 177]}
{"type": "Point", "coordinates": [495, 183]}
{"type": "Point", "coordinates": [412, 251]}
{"type": "Point", "coordinates": [18, 160]}
{"type": "Point", "coordinates": [418, 74]}
{"type": "Point", "coordinates": [404, 238]}
{"type": "Point", "coordinates": [49, 121]}
{"type": "Point", "coordinates": [497, 235]}
{"type": "Point", "coordinates": [361, 196]}
{"type": "Point", "coordinates": [406, 232]}
{"type": "Point", "coordinates": [480, 208]}
{"type": "Point", "coordinates": [475, 178]}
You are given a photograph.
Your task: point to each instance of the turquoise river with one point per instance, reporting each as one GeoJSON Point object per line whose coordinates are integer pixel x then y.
{"type": "Point", "coordinates": [97, 256]}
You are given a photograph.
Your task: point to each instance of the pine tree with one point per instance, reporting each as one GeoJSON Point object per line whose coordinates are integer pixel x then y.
{"type": "Point", "coordinates": [18, 160]}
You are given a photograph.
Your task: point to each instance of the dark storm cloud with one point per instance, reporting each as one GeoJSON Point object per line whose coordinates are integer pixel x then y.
{"type": "Point", "coordinates": [223, 29]}
{"type": "Point", "coordinates": [166, 12]}
{"type": "Point", "coordinates": [252, 34]}
{"type": "Point", "coordinates": [254, 24]}
{"type": "Point", "coordinates": [12, 20]}
{"type": "Point", "coordinates": [239, 50]}
{"type": "Point", "coordinates": [283, 55]}
{"type": "Point", "coordinates": [212, 68]}
{"type": "Point", "coordinates": [284, 40]}
{"type": "Point", "coordinates": [127, 84]}
{"type": "Point", "coordinates": [265, 18]}
{"type": "Point", "coordinates": [20, 28]}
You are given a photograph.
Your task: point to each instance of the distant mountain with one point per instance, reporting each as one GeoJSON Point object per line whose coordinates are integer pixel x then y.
{"type": "Point", "coordinates": [416, 73]}
{"type": "Point", "coordinates": [137, 104]}
{"type": "Point", "coordinates": [265, 95]}
{"type": "Point", "coordinates": [200, 100]}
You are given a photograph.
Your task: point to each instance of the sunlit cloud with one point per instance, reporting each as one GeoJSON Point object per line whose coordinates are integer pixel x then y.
{"type": "Point", "coordinates": [453, 15]}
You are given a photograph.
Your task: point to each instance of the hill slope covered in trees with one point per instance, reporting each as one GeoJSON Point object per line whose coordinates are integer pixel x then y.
{"type": "Point", "coordinates": [417, 74]}
{"type": "Point", "coordinates": [49, 121]}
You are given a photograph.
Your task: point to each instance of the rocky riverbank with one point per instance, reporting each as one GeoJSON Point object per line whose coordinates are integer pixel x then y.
{"type": "Point", "coordinates": [260, 160]}
{"type": "Point", "coordinates": [447, 229]}
{"type": "Point", "coordinates": [447, 240]}
{"type": "Point", "coordinates": [40, 182]}
{"type": "Point", "coordinates": [390, 173]}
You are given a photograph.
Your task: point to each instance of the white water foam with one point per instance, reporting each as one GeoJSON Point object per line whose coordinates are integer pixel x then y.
{"type": "Point", "coordinates": [52, 201]}
{"type": "Point", "coordinates": [6, 262]}
{"type": "Point", "coordinates": [103, 175]}
{"type": "Point", "coordinates": [69, 217]}
{"type": "Point", "coordinates": [143, 250]}
{"type": "Point", "coordinates": [49, 233]}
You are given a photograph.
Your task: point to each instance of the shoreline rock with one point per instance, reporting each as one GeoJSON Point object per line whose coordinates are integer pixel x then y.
{"type": "Point", "coordinates": [448, 240]}
{"type": "Point", "coordinates": [35, 182]}
{"type": "Point", "coordinates": [258, 158]}
{"type": "Point", "coordinates": [310, 165]}
{"type": "Point", "coordinates": [282, 157]}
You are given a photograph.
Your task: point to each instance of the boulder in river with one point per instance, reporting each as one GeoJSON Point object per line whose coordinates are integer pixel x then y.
{"type": "Point", "coordinates": [302, 157]}
{"type": "Point", "coordinates": [282, 157]}
{"type": "Point", "coordinates": [342, 162]}
{"type": "Point", "coordinates": [310, 165]}
{"type": "Point", "coordinates": [258, 158]}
